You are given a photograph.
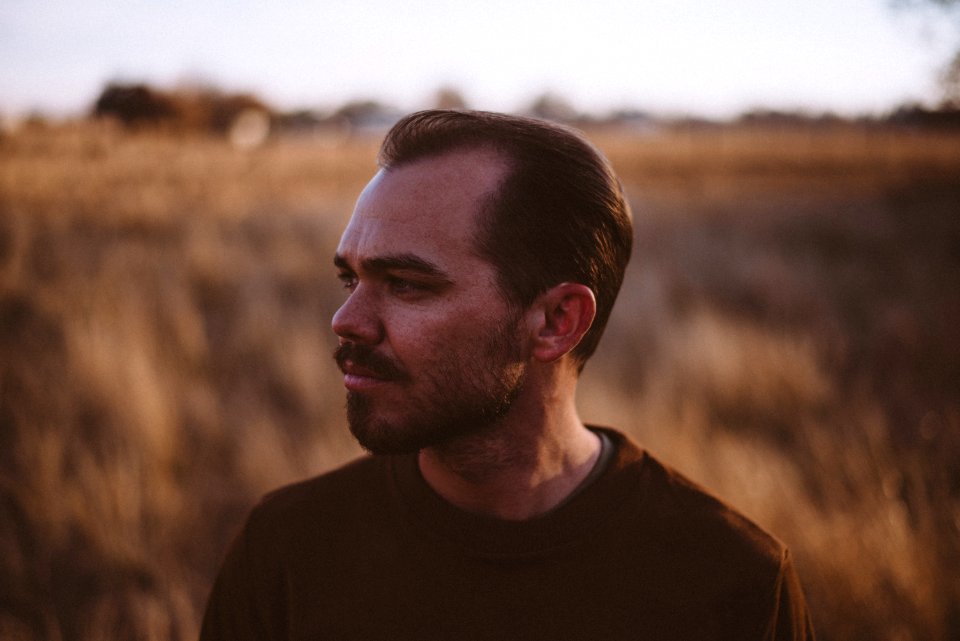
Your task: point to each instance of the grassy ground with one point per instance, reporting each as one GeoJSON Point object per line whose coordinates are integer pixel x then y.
{"type": "Point", "coordinates": [787, 335]}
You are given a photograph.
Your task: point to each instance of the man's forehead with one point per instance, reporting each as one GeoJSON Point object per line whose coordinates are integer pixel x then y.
{"type": "Point", "coordinates": [427, 202]}
{"type": "Point", "coordinates": [459, 173]}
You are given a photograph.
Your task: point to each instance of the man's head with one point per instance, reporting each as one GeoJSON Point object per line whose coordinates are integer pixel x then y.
{"type": "Point", "coordinates": [451, 299]}
{"type": "Point", "coordinates": [559, 216]}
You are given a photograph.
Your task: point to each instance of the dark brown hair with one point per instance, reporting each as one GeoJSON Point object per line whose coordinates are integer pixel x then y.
{"type": "Point", "coordinates": [560, 214]}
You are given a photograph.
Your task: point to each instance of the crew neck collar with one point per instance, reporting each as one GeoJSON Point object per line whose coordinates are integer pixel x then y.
{"type": "Point", "coordinates": [572, 521]}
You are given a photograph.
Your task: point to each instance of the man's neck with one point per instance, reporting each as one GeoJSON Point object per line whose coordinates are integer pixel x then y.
{"type": "Point", "coordinates": [517, 470]}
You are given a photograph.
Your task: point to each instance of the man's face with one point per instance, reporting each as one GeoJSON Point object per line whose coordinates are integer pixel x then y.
{"type": "Point", "coordinates": [429, 348]}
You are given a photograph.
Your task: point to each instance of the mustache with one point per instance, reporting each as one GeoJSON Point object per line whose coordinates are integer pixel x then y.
{"type": "Point", "coordinates": [367, 358]}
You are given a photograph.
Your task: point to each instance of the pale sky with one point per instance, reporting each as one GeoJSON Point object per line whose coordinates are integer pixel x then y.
{"type": "Point", "coordinates": [667, 56]}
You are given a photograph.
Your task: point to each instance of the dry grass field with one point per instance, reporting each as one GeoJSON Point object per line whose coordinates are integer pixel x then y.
{"type": "Point", "coordinates": [788, 335]}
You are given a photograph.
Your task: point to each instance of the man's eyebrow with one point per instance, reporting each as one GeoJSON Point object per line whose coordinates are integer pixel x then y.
{"type": "Point", "coordinates": [405, 262]}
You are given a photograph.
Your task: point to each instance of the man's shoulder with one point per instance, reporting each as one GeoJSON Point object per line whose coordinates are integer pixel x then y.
{"type": "Point", "coordinates": [686, 516]}
{"type": "Point", "coordinates": [357, 485]}
{"type": "Point", "coordinates": [361, 470]}
{"type": "Point", "coordinates": [698, 553]}
{"type": "Point", "coordinates": [683, 517]}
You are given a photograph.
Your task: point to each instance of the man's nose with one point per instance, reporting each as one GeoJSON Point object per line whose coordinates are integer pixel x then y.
{"type": "Point", "coordinates": [357, 319]}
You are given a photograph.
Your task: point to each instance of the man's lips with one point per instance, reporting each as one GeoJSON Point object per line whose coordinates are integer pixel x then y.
{"type": "Point", "coordinates": [357, 378]}
{"type": "Point", "coordinates": [351, 368]}
{"type": "Point", "coordinates": [363, 368]}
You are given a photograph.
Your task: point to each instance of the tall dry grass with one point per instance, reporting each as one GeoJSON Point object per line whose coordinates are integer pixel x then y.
{"type": "Point", "coordinates": [786, 335]}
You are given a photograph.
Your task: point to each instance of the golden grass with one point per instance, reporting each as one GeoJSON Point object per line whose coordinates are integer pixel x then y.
{"type": "Point", "coordinates": [786, 335]}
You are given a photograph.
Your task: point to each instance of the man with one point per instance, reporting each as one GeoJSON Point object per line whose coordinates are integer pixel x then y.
{"type": "Point", "coordinates": [481, 264]}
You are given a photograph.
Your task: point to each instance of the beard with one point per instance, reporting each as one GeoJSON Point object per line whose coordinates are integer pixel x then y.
{"type": "Point", "coordinates": [458, 396]}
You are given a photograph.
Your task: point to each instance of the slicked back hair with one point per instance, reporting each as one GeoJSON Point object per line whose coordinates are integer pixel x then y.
{"type": "Point", "coordinates": [560, 214]}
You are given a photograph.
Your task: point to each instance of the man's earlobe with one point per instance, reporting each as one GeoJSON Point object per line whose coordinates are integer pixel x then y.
{"type": "Point", "coordinates": [564, 313]}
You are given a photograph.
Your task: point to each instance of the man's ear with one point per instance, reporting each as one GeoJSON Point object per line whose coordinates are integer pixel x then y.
{"type": "Point", "coordinates": [559, 318]}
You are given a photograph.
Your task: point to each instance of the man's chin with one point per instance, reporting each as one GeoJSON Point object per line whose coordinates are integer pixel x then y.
{"type": "Point", "coordinates": [385, 426]}
{"type": "Point", "coordinates": [383, 438]}
{"type": "Point", "coordinates": [381, 434]}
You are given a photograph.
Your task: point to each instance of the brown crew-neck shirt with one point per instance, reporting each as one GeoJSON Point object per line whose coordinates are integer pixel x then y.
{"type": "Point", "coordinates": [371, 552]}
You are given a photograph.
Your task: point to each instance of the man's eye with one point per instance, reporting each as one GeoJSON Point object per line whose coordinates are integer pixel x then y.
{"type": "Point", "coordinates": [403, 286]}
{"type": "Point", "coordinates": [349, 281]}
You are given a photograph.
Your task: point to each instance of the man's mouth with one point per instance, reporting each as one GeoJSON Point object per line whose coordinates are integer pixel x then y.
{"type": "Point", "coordinates": [350, 368]}
{"type": "Point", "coordinates": [356, 378]}
{"type": "Point", "coordinates": [363, 368]}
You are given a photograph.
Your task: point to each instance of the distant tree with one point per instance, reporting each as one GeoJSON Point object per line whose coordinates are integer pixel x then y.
{"type": "Point", "coordinates": [950, 82]}
{"type": "Point", "coordinates": [944, 117]}
{"type": "Point", "coordinates": [135, 104]}
{"type": "Point", "coordinates": [366, 114]}
{"type": "Point", "coordinates": [949, 79]}
{"type": "Point", "coordinates": [222, 110]}
{"type": "Point", "coordinates": [551, 106]}
{"type": "Point", "coordinates": [300, 120]}
{"type": "Point", "coordinates": [188, 108]}
{"type": "Point", "coordinates": [448, 97]}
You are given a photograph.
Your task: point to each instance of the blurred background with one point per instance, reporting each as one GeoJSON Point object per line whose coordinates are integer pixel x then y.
{"type": "Point", "coordinates": [174, 179]}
